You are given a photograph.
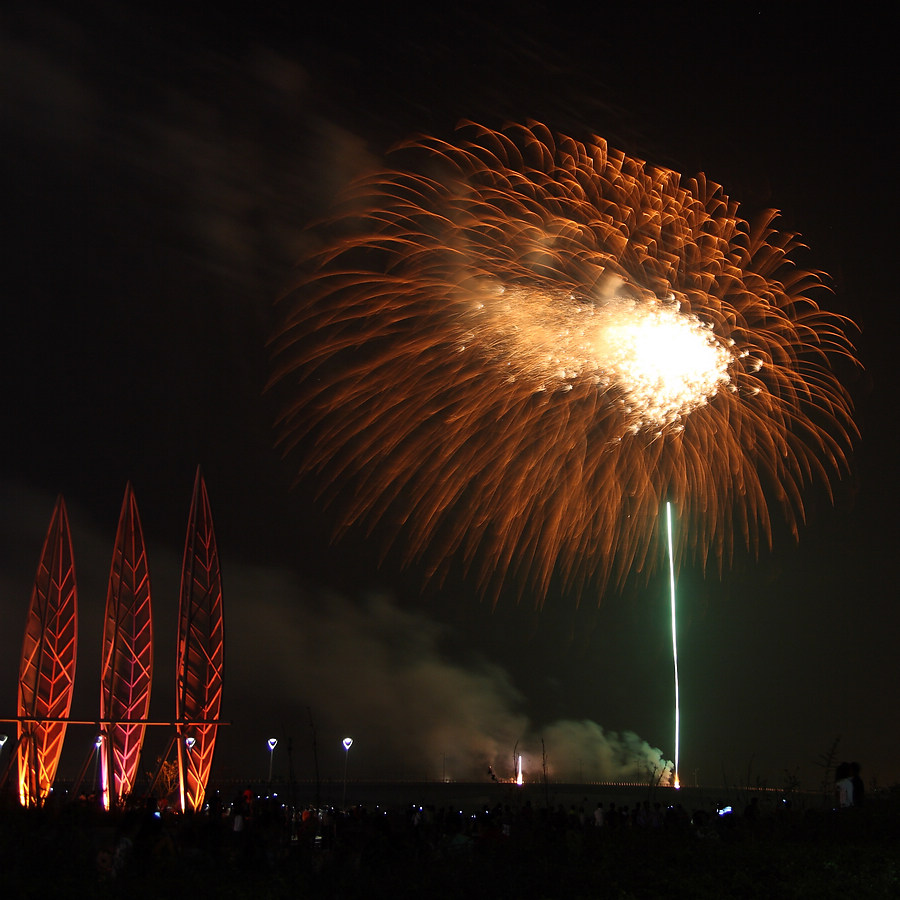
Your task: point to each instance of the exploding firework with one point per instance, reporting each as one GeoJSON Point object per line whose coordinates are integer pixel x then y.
{"type": "Point", "coordinates": [510, 350]}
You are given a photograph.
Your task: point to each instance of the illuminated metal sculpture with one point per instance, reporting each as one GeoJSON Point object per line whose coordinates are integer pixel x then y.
{"type": "Point", "coordinates": [201, 650]}
{"type": "Point", "coordinates": [47, 670]}
{"type": "Point", "coordinates": [127, 661]}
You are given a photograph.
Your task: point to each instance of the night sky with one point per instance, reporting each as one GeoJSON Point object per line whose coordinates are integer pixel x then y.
{"type": "Point", "coordinates": [158, 175]}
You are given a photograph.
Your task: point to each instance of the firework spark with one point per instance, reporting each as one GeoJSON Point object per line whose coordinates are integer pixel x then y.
{"type": "Point", "coordinates": [513, 348]}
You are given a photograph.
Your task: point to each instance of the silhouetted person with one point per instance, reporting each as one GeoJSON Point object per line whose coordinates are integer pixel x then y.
{"type": "Point", "coordinates": [843, 786]}
{"type": "Point", "coordinates": [859, 790]}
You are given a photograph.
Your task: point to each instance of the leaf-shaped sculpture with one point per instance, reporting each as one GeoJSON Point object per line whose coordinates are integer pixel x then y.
{"type": "Point", "coordinates": [47, 669]}
{"type": "Point", "coordinates": [127, 662]}
{"type": "Point", "coordinates": [201, 650]}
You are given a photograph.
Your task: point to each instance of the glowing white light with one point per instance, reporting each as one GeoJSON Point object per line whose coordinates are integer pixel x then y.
{"type": "Point", "coordinates": [189, 742]}
{"type": "Point", "coordinates": [663, 363]}
{"type": "Point", "coordinates": [273, 743]}
{"type": "Point", "coordinates": [348, 743]}
{"type": "Point", "coordinates": [519, 780]}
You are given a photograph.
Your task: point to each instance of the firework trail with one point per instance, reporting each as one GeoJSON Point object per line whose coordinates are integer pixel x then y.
{"type": "Point", "coordinates": [511, 349]}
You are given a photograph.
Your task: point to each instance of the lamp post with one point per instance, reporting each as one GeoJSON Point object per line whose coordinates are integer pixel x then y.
{"type": "Point", "coordinates": [348, 743]}
{"type": "Point", "coordinates": [272, 744]}
{"type": "Point", "coordinates": [98, 749]}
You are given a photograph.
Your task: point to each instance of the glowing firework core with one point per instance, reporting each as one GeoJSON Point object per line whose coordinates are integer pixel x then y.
{"type": "Point", "coordinates": [668, 363]}
{"type": "Point", "coordinates": [662, 362]}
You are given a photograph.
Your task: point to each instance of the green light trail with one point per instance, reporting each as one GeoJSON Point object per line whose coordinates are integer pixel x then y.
{"type": "Point", "coordinates": [674, 639]}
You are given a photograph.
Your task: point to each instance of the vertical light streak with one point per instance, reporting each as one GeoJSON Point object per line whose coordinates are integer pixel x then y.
{"type": "Point", "coordinates": [674, 638]}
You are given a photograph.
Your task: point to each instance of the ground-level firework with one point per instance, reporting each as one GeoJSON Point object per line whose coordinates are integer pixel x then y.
{"type": "Point", "coordinates": [477, 356]}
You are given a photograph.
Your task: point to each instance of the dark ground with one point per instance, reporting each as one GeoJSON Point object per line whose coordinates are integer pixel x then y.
{"type": "Point", "coordinates": [523, 853]}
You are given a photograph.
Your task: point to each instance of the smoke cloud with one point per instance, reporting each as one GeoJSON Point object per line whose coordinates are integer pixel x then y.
{"type": "Point", "coordinates": [394, 680]}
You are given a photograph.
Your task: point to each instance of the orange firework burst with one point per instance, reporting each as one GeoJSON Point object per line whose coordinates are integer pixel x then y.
{"type": "Point", "coordinates": [511, 349]}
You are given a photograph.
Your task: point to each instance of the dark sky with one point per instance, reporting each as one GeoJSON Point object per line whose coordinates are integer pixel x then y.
{"type": "Point", "coordinates": [158, 175]}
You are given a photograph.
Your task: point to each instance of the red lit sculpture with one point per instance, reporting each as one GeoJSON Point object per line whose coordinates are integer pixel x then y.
{"type": "Point", "coordinates": [47, 670]}
{"type": "Point", "coordinates": [127, 661]}
{"type": "Point", "coordinates": [201, 650]}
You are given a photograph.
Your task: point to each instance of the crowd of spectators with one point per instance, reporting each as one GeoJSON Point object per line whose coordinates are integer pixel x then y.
{"type": "Point", "coordinates": [250, 837]}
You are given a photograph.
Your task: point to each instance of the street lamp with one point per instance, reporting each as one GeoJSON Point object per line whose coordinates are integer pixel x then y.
{"type": "Point", "coordinates": [98, 750]}
{"type": "Point", "coordinates": [348, 743]}
{"type": "Point", "coordinates": [273, 743]}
